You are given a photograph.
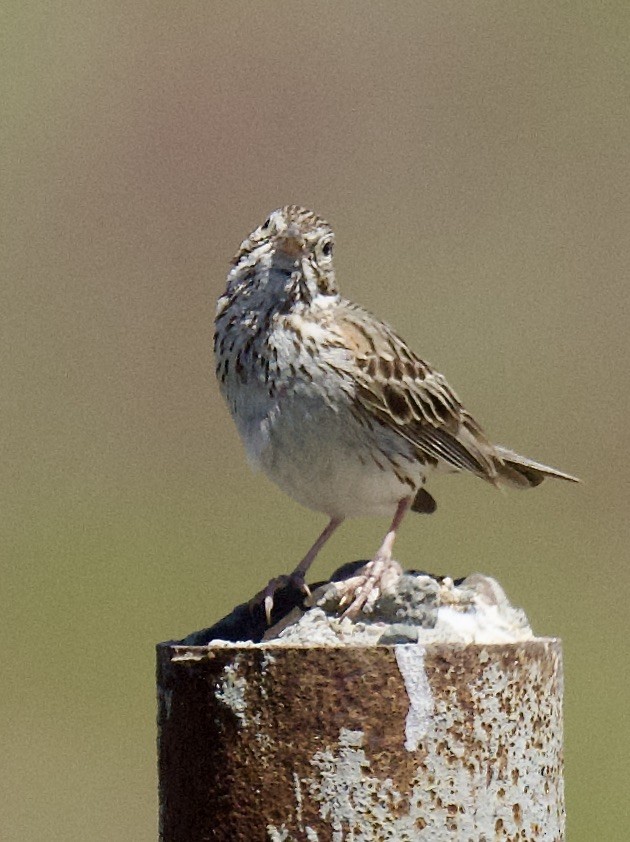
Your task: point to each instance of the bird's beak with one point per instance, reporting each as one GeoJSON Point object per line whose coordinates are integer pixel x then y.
{"type": "Point", "coordinates": [291, 243]}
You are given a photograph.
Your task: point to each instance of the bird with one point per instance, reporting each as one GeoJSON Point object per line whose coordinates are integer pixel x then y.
{"type": "Point", "coordinates": [334, 406]}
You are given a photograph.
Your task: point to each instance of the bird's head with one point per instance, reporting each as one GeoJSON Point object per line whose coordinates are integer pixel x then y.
{"type": "Point", "coordinates": [290, 255]}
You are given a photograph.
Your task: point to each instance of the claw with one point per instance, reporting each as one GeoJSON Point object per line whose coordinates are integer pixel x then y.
{"type": "Point", "coordinates": [265, 597]}
{"type": "Point", "coordinates": [268, 607]}
{"type": "Point", "coordinates": [357, 605]}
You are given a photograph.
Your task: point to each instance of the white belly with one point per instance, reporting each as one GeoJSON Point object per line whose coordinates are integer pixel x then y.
{"type": "Point", "coordinates": [324, 459]}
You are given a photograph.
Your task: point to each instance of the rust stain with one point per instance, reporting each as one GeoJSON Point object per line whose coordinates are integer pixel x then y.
{"type": "Point", "coordinates": [304, 743]}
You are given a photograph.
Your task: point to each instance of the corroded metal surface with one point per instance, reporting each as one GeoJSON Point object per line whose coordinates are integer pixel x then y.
{"type": "Point", "coordinates": [409, 742]}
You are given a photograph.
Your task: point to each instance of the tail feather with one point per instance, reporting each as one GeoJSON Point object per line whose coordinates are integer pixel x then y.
{"type": "Point", "coordinates": [521, 472]}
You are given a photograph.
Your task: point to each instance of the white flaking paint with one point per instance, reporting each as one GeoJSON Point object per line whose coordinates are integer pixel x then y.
{"type": "Point", "coordinates": [297, 788]}
{"type": "Point", "coordinates": [410, 660]}
{"type": "Point", "coordinates": [465, 785]}
{"type": "Point", "coordinates": [490, 764]}
{"type": "Point", "coordinates": [278, 834]}
{"type": "Point", "coordinates": [231, 691]}
{"type": "Point", "coordinates": [352, 801]}
{"type": "Point", "coordinates": [281, 834]}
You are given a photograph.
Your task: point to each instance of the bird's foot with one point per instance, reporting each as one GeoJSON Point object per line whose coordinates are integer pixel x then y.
{"type": "Point", "coordinates": [265, 596]}
{"type": "Point", "coordinates": [360, 592]}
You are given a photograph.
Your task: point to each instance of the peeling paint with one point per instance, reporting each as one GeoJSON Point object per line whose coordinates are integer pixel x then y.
{"type": "Point", "coordinates": [410, 660]}
{"type": "Point", "coordinates": [352, 801]}
{"type": "Point", "coordinates": [299, 800]}
{"type": "Point", "coordinates": [231, 691]}
{"type": "Point", "coordinates": [357, 744]}
{"type": "Point", "coordinates": [279, 834]}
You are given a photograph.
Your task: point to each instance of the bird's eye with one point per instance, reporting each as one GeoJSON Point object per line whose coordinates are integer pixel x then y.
{"type": "Point", "coordinates": [266, 224]}
{"type": "Point", "coordinates": [327, 248]}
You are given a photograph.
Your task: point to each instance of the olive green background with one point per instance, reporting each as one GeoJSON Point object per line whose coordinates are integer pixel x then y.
{"type": "Point", "coordinates": [473, 158]}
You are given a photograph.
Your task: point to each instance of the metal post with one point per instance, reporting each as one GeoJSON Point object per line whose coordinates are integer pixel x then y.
{"type": "Point", "coordinates": [443, 741]}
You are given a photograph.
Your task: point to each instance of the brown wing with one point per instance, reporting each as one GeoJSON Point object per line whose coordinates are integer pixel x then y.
{"type": "Point", "coordinates": [407, 395]}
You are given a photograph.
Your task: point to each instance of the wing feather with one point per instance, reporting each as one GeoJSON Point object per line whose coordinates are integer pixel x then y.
{"type": "Point", "coordinates": [410, 397]}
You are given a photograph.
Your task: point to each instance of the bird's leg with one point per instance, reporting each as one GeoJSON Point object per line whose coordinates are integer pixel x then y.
{"type": "Point", "coordinates": [297, 577]}
{"type": "Point", "coordinates": [363, 590]}
{"type": "Point", "coordinates": [300, 571]}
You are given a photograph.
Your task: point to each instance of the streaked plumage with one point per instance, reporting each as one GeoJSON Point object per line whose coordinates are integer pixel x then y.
{"type": "Point", "coordinates": [330, 402]}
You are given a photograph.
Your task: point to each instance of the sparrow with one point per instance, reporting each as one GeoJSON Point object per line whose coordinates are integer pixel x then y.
{"type": "Point", "coordinates": [334, 406]}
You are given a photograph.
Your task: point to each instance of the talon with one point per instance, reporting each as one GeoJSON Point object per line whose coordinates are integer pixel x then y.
{"type": "Point", "coordinates": [265, 597]}
{"type": "Point", "coordinates": [268, 607]}
{"type": "Point", "coordinates": [354, 609]}
{"type": "Point", "coordinates": [348, 596]}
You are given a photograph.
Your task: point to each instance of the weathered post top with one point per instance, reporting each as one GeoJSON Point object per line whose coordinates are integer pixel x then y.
{"type": "Point", "coordinates": [437, 718]}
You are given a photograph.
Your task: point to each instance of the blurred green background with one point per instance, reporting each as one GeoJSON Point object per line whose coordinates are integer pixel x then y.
{"type": "Point", "coordinates": [473, 158]}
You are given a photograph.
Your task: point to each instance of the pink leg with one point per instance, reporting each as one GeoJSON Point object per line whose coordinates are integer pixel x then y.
{"type": "Point", "coordinates": [363, 590]}
{"type": "Point", "coordinates": [297, 577]}
{"type": "Point", "coordinates": [310, 556]}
